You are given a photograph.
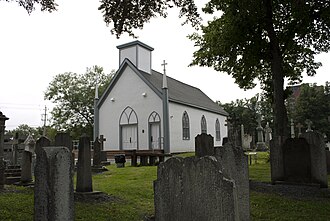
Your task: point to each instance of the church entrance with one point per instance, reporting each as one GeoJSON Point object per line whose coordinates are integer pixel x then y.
{"type": "Point", "coordinates": [155, 135]}
{"type": "Point", "coordinates": [128, 125]}
{"type": "Point", "coordinates": [129, 137]}
{"type": "Point", "coordinates": [154, 131]}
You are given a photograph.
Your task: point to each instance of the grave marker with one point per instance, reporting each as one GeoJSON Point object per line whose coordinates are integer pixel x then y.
{"type": "Point", "coordinates": [53, 191]}
{"type": "Point", "coordinates": [84, 170]}
{"type": "Point", "coordinates": [194, 189]}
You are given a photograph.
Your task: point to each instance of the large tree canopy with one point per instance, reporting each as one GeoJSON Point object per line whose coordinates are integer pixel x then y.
{"type": "Point", "coordinates": [127, 15]}
{"type": "Point", "coordinates": [73, 95]}
{"type": "Point", "coordinates": [265, 40]}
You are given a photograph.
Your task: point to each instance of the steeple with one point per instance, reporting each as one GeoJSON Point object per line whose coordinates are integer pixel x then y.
{"type": "Point", "coordinates": [96, 111]}
{"type": "Point", "coordinates": [166, 116]}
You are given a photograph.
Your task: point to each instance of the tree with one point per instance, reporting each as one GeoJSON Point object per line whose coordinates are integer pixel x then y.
{"type": "Point", "coordinates": [265, 40]}
{"type": "Point", "coordinates": [127, 15]}
{"type": "Point", "coordinates": [73, 95]}
{"type": "Point", "coordinates": [314, 103]}
{"type": "Point", "coordinates": [24, 130]}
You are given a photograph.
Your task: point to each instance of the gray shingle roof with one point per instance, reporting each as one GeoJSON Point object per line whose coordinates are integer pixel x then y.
{"type": "Point", "coordinates": [183, 93]}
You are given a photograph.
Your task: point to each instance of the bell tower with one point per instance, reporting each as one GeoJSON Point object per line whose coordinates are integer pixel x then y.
{"type": "Point", "coordinates": [138, 53]}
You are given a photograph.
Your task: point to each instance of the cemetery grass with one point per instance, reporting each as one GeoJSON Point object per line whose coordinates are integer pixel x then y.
{"type": "Point", "coordinates": [131, 191]}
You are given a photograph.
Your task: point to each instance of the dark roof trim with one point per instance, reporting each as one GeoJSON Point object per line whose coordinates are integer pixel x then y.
{"type": "Point", "coordinates": [197, 107]}
{"type": "Point", "coordinates": [133, 43]}
{"type": "Point", "coordinates": [121, 69]}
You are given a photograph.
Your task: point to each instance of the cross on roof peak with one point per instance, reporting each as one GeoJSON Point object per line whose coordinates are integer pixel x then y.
{"type": "Point", "coordinates": [164, 75]}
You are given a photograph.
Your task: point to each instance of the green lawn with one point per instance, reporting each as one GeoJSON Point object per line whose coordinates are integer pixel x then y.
{"type": "Point", "coordinates": [133, 189]}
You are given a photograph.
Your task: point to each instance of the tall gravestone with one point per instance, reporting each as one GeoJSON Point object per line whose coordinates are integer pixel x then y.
{"type": "Point", "coordinates": [204, 145]}
{"type": "Point", "coordinates": [234, 164]}
{"type": "Point", "coordinates": [194, 189]}
{"type": "Point", "coordinates": [26, 164]}
{"type": "Point", "coordinates": [84, 170]}
{"type": "Point", "coordinates": [97, 153]}
{"type": "Point", "coordinates": [53, 191]}
{"type": "Point", "coordinates": [26, 174]}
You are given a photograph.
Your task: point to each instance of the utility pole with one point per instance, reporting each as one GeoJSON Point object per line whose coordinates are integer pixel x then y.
{"type": "Point", "coordinates": [44, 119]}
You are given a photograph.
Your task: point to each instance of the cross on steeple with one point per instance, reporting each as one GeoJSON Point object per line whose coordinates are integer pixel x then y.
{"type": "Point", "coordinates": [164, 75]}
{"type": "Point", "coordinates": [164, 64]}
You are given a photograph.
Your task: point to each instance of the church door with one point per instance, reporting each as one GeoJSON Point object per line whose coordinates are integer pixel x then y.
{"type": "Point", "coordinates": [128, 130]}
{"type": "Point", "coordinates": [129, 137]}
{"type": "Point", "coordinates": [155, 135]}
{"type": "Point", "coordinates": [154, 131]}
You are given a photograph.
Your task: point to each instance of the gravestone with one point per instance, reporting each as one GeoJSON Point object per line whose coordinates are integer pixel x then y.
{"type": "Point", "coordinates": [26, 174]}
{"type": "Point", "coordinates": [318, 158]}
{"type": "Point", "coordinates": [234, 164]}
{"type": "Point", "coordinates": [296, 160]}
{"type": "Point", "coordinates": [64, 139]}
{"type": "Point", "coordinates": [299, 126]}
{"type": "Point", "coordinates": [53, 191]}
{"type": "Point", "coordinates": [204, 145]}
{"type": "Point", "coordinates": [246, 144]}
{"type": "Point", "coordinates": [84, 170]}
{"type": "Point", "coordinates": [260, 135]}
{"type": "Point", "coordinates": [268, 134]}
{"type": "Point", "coordinates": [3, 119]}
{"type": "Point", "coordinates": [299, 160]}
{"type": "Point", "coordinates": [292, 129]}
{"type": "Point", "coordinates": [97, 153]}
{"type": "Point", "coordinates": [194, 189]}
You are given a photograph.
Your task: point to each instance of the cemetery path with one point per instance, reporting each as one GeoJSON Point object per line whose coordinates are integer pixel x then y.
{"type": "Point", "coordinates": [300, 192]}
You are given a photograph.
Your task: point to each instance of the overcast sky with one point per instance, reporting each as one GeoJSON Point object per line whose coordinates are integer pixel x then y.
{"type": "Point", "coordinates": [34, 48]}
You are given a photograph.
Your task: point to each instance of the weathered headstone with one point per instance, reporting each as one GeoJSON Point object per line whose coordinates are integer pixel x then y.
{"type": "Point", "coordinates": [246, 144]}
{"type": "Point", "coordinates": [260, 134]}
{"type": "Point", "coordinates": [268, 134]}
{"type": "Point", "coordinates": [299, 126]}
{"type": "Point", "coordinates": [204, 145]}
{"type": "Point", "coordinates": [234, 164]}
{"type": "Point", "coordinates": [84, 170]}
{"type": "Point", "coordinates": [26, 175]}
{"type": "Point", "coordinates": [3, 119]}
{"type": "Point", "coordinates": [292, 129]}
{"type": "Point", "coordinates": [318, 159]}
{"type": "Point", "coordinates": [64, 139]}
{"type": "Point", "coordinates": [97, 153]}
{"type": "Point", "coordinates": [53, 191]}
{"type": "Point", "coordinates": [299, 160]}
{"type": "Point", "coordinates": [194, 189]}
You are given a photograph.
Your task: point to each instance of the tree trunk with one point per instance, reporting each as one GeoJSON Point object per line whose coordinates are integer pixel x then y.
{"type": "Point", "coordinates": [280, 114]}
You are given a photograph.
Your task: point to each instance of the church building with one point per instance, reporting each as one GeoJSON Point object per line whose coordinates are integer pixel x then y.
{"type": "Point", "coordinates": [144, 109]}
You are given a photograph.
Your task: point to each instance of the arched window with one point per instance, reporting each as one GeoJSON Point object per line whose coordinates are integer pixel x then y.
{"type": "Point", "coordinates": [217, 130]}
{"type": "Point", "coordinates": [203, 125]}
{"type": "Point", "coordinates": [128, 116]}
{"type": "Point", "coordinates": [185, 126]}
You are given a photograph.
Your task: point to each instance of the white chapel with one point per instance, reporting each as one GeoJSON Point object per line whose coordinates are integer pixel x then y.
{"type": "Point", "coordinates": [144, 109]}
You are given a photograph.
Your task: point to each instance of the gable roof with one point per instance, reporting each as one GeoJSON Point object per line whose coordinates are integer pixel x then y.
{"type": "Point", "coordinates": [178, 92]}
